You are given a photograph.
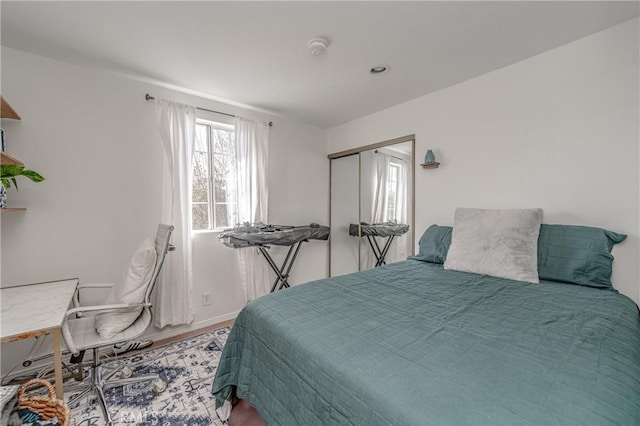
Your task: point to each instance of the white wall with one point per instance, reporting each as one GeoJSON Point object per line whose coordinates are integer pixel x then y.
{"type": "Point", "coordinates": [94, 138]}
{"type": "Point", "coordinates": [558, 131]}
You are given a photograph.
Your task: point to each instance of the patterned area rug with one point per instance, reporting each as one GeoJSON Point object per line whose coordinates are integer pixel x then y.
{"type": "Point", "coordinates": [188, 367]}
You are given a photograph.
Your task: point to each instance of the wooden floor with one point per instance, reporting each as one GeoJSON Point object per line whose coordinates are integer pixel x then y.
{"type": "Point", "coordinates": [243, 414]}
{"type": "Point", "coordinates": [191, 334]}
{"type": "Point", "coordinates": [182, 336]}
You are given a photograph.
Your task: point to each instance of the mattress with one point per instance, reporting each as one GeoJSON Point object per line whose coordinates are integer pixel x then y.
{"type": "Point", "coordinates": [412, 344]}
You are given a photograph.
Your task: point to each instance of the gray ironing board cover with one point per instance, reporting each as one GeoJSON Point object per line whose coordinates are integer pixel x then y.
{"type": "Point", "coordinates": [379, 229]}
{"type": "Point", "coordinates": [247, 235]}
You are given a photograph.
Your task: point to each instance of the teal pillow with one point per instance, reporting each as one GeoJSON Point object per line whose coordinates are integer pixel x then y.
{"type": "Point", "coordinates": [577, 254]}
{"type": "Point", "coordinates": [434, 244]}
{"type": "Point", "coordinates": [566, 253]}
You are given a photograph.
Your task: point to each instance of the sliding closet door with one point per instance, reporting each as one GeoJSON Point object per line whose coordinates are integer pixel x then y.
{"type": "Point", "coordinates": [372, 184]}
{"type": "Point", "coordinates": [345, 210]}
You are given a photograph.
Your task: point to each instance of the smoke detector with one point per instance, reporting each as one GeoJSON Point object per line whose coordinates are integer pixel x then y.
{"type": "Point", "coordinates": [317, 45]}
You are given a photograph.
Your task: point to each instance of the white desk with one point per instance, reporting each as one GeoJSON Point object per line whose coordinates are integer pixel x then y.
{"type": "Point", "coordinates": [34, 310]}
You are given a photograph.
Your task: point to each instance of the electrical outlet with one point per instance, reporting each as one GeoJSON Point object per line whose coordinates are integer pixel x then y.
{"type": "Point", "coordinates": [206, 299]}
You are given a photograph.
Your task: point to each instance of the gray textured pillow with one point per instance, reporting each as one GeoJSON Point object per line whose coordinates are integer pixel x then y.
{"type": "Point", "coordinates": [500, 243]}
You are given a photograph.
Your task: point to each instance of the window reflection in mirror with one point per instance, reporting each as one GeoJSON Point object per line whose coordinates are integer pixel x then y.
{"type": "Point", "coordinates": [385, 200]}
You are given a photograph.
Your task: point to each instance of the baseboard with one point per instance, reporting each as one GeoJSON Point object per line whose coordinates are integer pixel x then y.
{"type": "Point", "coordinates": [166, 333]}
{"type": "Point", "coordinates": [155, 335]}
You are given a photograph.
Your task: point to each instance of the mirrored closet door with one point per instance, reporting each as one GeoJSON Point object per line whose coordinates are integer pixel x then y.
{"type": "Point", "coordinates": [372, 207]}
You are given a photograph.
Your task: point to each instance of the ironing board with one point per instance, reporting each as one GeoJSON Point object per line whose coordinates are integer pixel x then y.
{"type": "Point", "coordinates": [388, 230]}
{"type": "Point", "coordinates": [263, 236]}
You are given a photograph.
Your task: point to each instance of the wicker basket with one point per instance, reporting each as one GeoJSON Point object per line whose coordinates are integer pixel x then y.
{"type": "Point", "coordinates": [48, 407]}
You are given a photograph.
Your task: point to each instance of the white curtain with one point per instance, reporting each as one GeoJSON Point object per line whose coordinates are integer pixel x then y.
{"type": "Point", "coordinates": [174, 302]}
{"type": "Point", "coordinates": [400, 247]}
{"type": "Point", "coordinates": [380, 197]}
{"type": "Point", "coordinates": [379, 203]}
{"type": "Point", "coordinates": [252, 157]}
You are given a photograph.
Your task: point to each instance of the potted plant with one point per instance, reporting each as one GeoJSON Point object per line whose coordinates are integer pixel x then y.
{"type": "Point", "coordinates": [8, 174]}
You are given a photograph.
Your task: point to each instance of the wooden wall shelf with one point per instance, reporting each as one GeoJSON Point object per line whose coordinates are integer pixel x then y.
{"type": "Point", "coordinates": [432, 165]}
{"type": "Point", "coordinates": [6, 111]}
{"type": "Point", "coordinates": [9, 160]}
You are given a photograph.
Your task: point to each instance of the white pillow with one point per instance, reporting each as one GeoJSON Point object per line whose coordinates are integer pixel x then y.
{"type": "Point", "coordinates": [500, 243]}
{"type": "Point", "coordinates": [131, 290]}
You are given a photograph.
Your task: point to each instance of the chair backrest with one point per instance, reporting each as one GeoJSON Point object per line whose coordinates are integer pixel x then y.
{"type": "Point", "coordinates": [163, 235]}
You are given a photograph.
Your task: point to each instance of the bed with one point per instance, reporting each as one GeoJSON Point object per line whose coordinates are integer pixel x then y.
{"type": "Point", "coordinates": [411, 343]}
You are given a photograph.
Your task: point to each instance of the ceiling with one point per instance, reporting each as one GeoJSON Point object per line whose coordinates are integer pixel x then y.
{"type": "Point", "coordinates": [254, 53]}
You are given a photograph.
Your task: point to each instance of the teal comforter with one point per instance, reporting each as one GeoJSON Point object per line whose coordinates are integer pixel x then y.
{"type": "Point", "coordinates": [412, 344]}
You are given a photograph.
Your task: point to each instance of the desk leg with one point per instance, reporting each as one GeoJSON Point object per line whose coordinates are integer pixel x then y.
{"type": "Point", "coordinates": [57, 362]}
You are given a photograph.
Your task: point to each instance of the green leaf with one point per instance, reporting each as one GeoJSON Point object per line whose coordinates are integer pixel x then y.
{"type": "Point", "coordinates": [8, 173]}
{"type": "Point", "coordinates": [10, 170]}
{"type": "Point", "coordinates": [33, 175]}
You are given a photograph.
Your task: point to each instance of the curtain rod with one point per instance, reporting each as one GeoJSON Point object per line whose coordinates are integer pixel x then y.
{"type": "Point", "coordinates": [148, 97]}
{"type": "Point", "coordinates": [392, 156]}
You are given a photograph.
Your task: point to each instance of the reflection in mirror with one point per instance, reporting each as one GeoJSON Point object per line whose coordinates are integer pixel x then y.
{"type": "Point", "coordinates": [371, 206]}
{"type": "Point", "coordinates": [385, 204]}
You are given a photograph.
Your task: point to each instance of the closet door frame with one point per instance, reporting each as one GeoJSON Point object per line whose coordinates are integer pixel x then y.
{"type": "Point", "coordinates": [353, 151]}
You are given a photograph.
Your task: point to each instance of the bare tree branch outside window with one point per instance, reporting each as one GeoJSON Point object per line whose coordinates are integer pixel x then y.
{"type": "Point", "coordinates": [215, 187]}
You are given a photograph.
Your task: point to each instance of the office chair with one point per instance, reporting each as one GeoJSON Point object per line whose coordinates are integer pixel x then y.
{"type": "Point", "coordinates": [79, 331]}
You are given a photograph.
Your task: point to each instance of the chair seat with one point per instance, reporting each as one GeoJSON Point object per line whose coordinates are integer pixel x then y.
{"type": "Point", "coordinates": [85, 335]}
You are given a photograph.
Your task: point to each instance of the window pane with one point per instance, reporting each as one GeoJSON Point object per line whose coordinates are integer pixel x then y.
{"type": "Point", "coordinates": [225, 178]}
{"type": "Point", "coordinates": [232, 213]}
{"type": "Point", "coordinates": [226, 215]}
{"type": "Point", "coordinates": [200, 183]}
{"type": "Point", "coordinates": [200, 214]}
{"type": "Point", "coordinates": [393, 173]}
{"type": "Point", "coordinates": [224, 142]}
{"type": "Point", "coordinates": [200, 177]}
{"type": "Point", "coordinates": [391, 206]}
{"type": "Point", "coordinates": [392, 192]}
{"type": "Point", "coordinates": [224, 166]}
{"type": "Point", "coordinates": [201, 138]}
{"type": "Point", "coordinates": [215, 184]}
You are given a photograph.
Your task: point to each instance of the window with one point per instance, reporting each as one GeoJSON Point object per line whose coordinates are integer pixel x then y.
{"type": "Point", "coordinates": [393, 192]}
{"type": "Point", "coordinates": [215, 184]}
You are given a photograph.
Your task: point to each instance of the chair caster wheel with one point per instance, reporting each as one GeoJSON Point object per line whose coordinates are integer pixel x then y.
{"type": "Point", "coordinates": [159, 386]}
{"type": "Point", "coordinates": [125, 373]}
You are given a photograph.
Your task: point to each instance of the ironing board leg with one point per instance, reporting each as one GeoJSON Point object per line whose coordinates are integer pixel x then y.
{"type": "Point", "coordinates": [380, 253]}
{"type": "Point", "coordinates": [373, 243]}
{"type": "Point", "coordinates": [285, 283]}
{"type": "Point", "coordinates": [278, 272]}
{"type": "Point", "coordinates": [273, 266]}
{"type": "Point", "coordinates": [385, 250]}
{"type": "Point", "coordinates": [282, 273]}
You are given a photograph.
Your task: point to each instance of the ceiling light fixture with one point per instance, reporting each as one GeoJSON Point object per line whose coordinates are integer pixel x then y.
{"type": "Point", "coordinates": [317, 45]}
{"type": "Point", "coordinates": [379, 69]}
